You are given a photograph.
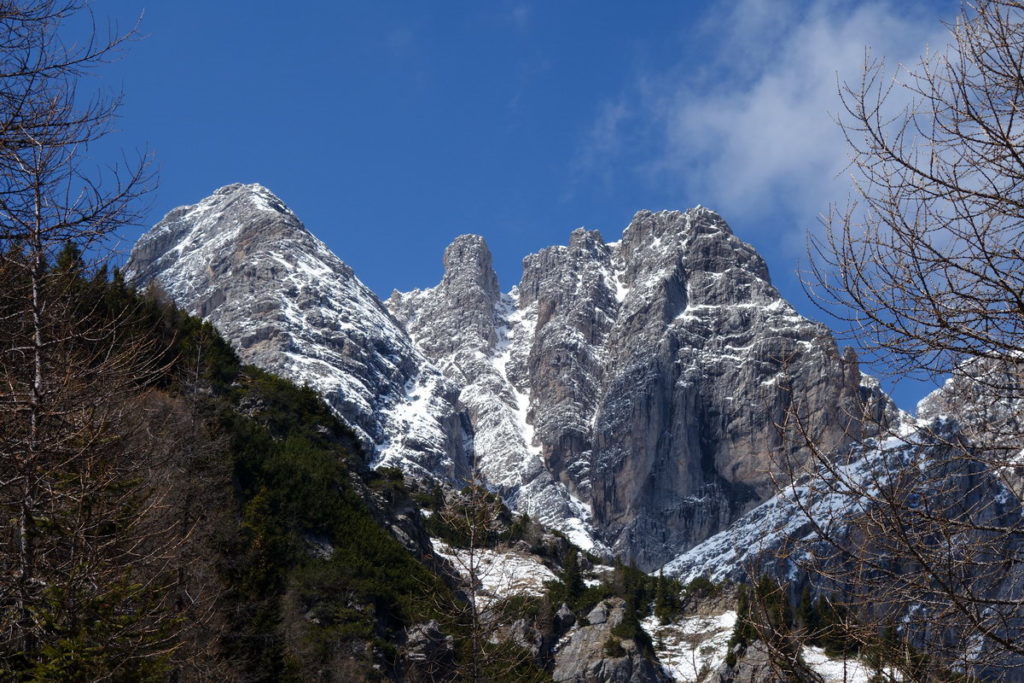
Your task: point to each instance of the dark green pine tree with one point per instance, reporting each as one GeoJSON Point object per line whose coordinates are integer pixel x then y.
{"type": "Point", "coordinates": [69, 259]}
{"type": "Point", "coordinates": [666, 602]}
{"type": "Point", "coordinates": [572, 577]}
{"type": "Point", "coordinates": [743, 633]}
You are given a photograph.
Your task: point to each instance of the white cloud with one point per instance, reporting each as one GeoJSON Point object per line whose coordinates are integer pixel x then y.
{"type": "Point", "coordinates": [752, 129]}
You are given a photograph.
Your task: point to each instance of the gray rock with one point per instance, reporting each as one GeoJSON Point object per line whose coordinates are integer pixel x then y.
{"type": "Point", "coordinates": [583, 657]}
{"type": "Point", "coordinates": [753, 665]}
{"type": "Point", "coordinates": [475, 336]}
{"type": "Point", "coordinates": [632, 392]}
{"type": "Point", "coordinates": [598, 615]}
{"type": "Point", "coordinates": [564, 619]}
{"type": "Point", "coordinates": [428, 654]}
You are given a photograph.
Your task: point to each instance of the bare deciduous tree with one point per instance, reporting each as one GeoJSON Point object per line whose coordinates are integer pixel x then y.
{"type": "Point", "coordinates": [918, 536]}
{"type": "Point", "coordinates": [87, 550]}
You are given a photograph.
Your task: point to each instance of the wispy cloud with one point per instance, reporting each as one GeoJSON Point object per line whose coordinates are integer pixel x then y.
{"type": "Point", "coordinates": [749, 127]}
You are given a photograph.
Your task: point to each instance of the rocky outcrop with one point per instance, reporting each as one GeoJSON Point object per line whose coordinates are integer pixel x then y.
{"type": "Point", "coordinates": [753, 663]}
{"type": "Point", "coordinates": [428, 654]}
{"type": "Point", "coordinates": [985, 397]}
{"type": "Point", "coordinates": [242, 260]}
{"type": "Point", "coordinates": [587, 656]}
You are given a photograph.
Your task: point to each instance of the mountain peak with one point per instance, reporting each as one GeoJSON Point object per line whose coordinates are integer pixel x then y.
{"type": "Point", "coordinates": [658, 224]}
{"type": "Point", "coordinates": [623, 393]}
{"type": "Point", "coordinates": [588, 241]}
{"type": "Point", "coordinates": [232, 188]}
{"type": "Point", "coordinates": [260, 196]}
{"type": "Point", "coordinates": [242, 260]}
{"type": "Point", "coordinates": [468, 267]}
{"type": "Point", "coordinates": [238, 214]}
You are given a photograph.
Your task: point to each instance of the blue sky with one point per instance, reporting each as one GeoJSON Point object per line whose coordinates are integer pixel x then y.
{"type": "Point", "coordinates": [391, 127]}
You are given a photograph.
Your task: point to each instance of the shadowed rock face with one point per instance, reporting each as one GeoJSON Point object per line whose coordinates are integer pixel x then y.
{"type": "Point", "coordinates": [625, 393]}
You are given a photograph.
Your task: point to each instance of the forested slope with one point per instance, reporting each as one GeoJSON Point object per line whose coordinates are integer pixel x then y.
{"type": "Point", "coordinates": [267, 550]}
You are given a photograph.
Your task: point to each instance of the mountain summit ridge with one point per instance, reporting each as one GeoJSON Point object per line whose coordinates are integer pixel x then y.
{"type": "Point", "coordinates": [625, 393]}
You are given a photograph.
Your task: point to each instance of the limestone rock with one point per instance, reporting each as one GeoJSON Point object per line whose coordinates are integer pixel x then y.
{"type": "Point", "coordinates": [583, 657]}
{"type": "Point", "coordinates": [564, 619]}
{"type": "Point", "coordinates": [631, 391]}
{"type": "Point", "coordinates": [428, 654]}
{"type": "Point", "coordinates": [753, 664]}
{"type": "Point", "coordinates": [480, 340]}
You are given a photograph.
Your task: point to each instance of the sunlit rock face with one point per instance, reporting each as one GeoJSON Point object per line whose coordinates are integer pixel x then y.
{"type": "Point", "coordinates": [627, 393]}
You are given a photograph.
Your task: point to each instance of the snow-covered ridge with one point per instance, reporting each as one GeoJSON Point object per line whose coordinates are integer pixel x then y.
{"type": "Point", "coordinates": [746, 544]}
{"type": "Point", "coordinates": [495, 391]}
{"type": "Point", "coordinates": [776, 536]}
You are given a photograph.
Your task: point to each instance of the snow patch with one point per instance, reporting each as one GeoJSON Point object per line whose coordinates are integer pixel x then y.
{"type": "Point", "coordinates": [499, 574]}
{"type": "Point", "coordinates": [841, 670]}
{"type": "Point", "coordinates": [692, 647]}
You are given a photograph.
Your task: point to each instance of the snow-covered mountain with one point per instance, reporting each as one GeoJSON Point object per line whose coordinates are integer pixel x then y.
{"type": "Point", "coordinates": [913, 509]}
{"type": "Point", "coordinates": [241, 259]}
{"type": "Point", "coordinates": [628, 393]}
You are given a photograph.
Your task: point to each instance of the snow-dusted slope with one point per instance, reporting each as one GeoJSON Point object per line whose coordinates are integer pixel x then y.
{"type": "Point", "coordinates": [241, 259]}
{"type": "Point", "coordinates": [780, 536]}
{"type": "Point", "coordinates": [481, 340]}
{"type": "Point", "coordinates": [753, 543]}
{"type": "Point", "coordinates": [499, 573]}
{"type": "Point", "coordinates": [692, 647]}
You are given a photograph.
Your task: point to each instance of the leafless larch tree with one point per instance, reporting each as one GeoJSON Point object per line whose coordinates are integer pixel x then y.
{"type": "Point", "coordinates": [917, 550]}
{"type": "Point", "coordinates": [87, 546]}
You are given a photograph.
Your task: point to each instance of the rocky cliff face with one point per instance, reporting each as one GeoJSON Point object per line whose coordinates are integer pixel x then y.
{"type": "Point", "coordinates": [482, 340]}
{"type": "Point", "coordinates": [584, 656]}
{"type": "Point", "coordinates": [627, 393]}
{"type": "Point", "coordinates": [892, 503]}
{"type": "Point", "coordinates": [639, 383]}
